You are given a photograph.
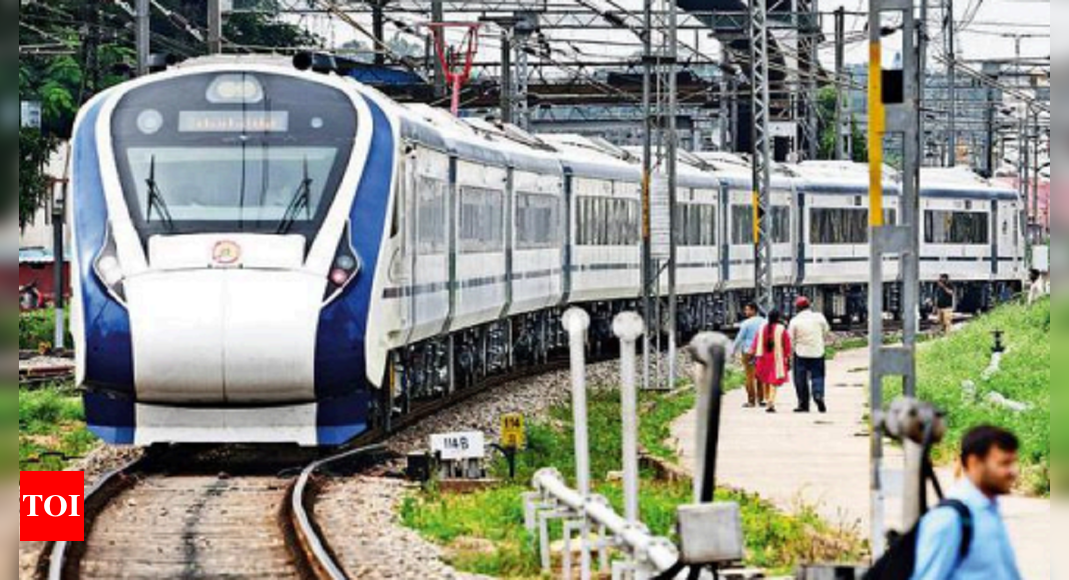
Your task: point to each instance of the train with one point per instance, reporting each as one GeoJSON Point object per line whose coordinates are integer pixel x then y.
{"type": "Point", "coordinates": [266, 252]}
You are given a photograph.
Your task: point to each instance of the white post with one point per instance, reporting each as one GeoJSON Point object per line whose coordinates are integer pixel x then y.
{"type": "Point", "coordinates": [628, 327]}
{"type": "Point", "coordinates": [576, 322]}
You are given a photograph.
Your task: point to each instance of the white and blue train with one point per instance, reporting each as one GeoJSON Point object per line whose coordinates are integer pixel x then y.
{"type": "Point", "coordinates": [273, 255]}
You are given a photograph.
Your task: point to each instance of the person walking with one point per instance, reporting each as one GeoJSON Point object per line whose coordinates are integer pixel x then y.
{"type": "Point", "coordinates": [951, 548]}
{"type": "Point", "coordinates": [809, 332]}
{"type": "Point", "coordinates": [944, 303]}
{"type": "Point", "coordinates": [772, 351]}
{"type": "Point", "coordinates": [755, 391]}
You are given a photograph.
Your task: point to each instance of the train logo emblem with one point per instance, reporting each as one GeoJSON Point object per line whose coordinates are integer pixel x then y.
{"type": "Point", "coordinates": [226, 253]}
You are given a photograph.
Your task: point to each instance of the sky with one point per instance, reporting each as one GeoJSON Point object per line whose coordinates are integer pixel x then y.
{"type": "Point", "coordinates": [984, 38]}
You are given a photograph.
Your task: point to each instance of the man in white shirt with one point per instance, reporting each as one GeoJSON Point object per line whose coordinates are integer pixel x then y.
{"type": "Point", "coordinates": [809, 332]}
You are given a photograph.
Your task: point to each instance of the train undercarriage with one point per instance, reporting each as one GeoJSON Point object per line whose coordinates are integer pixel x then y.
{"type": "Point", "coordinates": [458, 364]}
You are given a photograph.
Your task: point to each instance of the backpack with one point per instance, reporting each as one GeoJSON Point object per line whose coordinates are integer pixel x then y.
{"type": "Point", "coordinates": [900, 562]}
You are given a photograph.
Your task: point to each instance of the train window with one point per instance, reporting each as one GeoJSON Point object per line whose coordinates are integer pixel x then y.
{"type": "Point", "coordinates": [696, 225]}
{"type": "Point", "coordinates": [432, 214]}
{"type": "Point", "coordinates": [537, 221]}
{"type": "Point", "coordinates": [948, 227]}
{"type": "Point", "coordinates": [742, 226]}
{"type": "Point", "coordinates": [605, 221]}
{"type": "Point", "coordinates": [781, 225]}
{"type": "Point", "coordinates": [839, 226]}
{"type": "Point", "coordinates": [268, 167]}
{"type": "Point", "coordinates": [482, 220]}
{"type": "Point", "coordinates": [742, 217]}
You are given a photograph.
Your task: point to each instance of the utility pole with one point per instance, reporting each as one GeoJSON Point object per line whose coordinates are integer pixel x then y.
{"type": "Point", "coordinates": [725, 101]}
{"type": "Point", "coordinates": [215, 27]}
{"type": "Point", "coordinates": [843, 126]}
{"type": "Point", "coordinates": [438, 16]}
{"type": "Point", "coordinates": [1034, 175]}
{"type": "Point", "coordinates": [647, 183]}
{"type": "Point", "coordinates": [672, 162]}
{"type": "Point", "coordinates": [59, 262]}
{"type": "Point", "coordinates": [894, 114]}
{"type": "Point", "coordinates": [507, 86]}
{"type": "Point", "coordinates": [762, 156]}
{"type": "Point", "coordinates": [378, 30]}
{"type": "Point", "coordinates": [144, 42]}
{"type": "Point", "coordinates": [952, 86]}
{"type": "Point", "coordinates": [809, 14]}
{"type": "Point", "coordinates": [91, 48]}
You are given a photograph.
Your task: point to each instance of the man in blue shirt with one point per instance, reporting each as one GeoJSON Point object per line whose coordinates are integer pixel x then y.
{"type": "Point", "coordinates": [744, 348]}
{"type": "Point", "coordinates": [989, 457]}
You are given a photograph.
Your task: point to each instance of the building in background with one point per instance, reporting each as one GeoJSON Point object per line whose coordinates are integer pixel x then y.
{"type": "Point", "coordinates": [36, 252]}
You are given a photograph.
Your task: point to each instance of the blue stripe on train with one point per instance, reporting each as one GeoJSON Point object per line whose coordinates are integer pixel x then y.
{"type": "Point", "coordinates": [109, 354]}
{"type": "Point", "coordinates": [342, 388]}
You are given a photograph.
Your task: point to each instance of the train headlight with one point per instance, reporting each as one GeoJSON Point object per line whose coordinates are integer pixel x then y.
{"type": "Point", "coordinates": [232, 89]}
{"type": "Point", "coordinates": [343, 270]}
{"type": "Point", "coordinates": [109, 270]}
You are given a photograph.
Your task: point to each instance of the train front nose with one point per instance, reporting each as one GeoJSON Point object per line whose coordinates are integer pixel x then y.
{"type": "Point", "coordinates": [225, 335]}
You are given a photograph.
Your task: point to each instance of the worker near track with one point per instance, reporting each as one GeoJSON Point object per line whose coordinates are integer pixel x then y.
{"type": "Point", "coordinates": [744, 343]}
{"type": "Point", "coordinates": [809, 333]}
{"type": "Point", "coordinates": [1038, 289]}
{"type": "Point", "coordinates": [944, 303]}
{"type": "Point", "coordinates": [772, 351]}
{"type": "Point", "coordinates": [989, 458]}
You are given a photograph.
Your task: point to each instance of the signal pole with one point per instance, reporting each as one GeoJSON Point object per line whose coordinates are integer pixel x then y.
{"type": "Point", "coordinates": [889, 114]}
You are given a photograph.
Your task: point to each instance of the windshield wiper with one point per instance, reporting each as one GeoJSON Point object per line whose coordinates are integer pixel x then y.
{"type": "Point", "coordinates": [302, 200]}
{"type": "Point", "coordinates": [156, 200]}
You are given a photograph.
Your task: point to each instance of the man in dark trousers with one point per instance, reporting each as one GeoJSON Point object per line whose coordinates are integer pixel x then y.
{"type": "Point", "coordinates": [989, 458]}
{"type": "Point", "coordinates": [944, 303]}
{"type": "Point", "coordinates": [809, 332]}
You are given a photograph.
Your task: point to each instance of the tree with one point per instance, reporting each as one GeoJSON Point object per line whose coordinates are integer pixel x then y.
{"type": "Point", "coordinates": [826, 110]}
{"type": "Point", "coordinates": [91, 48]}
{"type": "Point", "coordinates": [35, 148]}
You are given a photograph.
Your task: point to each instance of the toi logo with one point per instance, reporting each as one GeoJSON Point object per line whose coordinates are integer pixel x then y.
{"type": "Point", "coordinates": [51, 506]}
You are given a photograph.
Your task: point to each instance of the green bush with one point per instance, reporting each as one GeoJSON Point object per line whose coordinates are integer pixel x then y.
{"type": "Point", "coordinates": [38, 328]}
{"type": "Point", "coordinates": [946, 365]}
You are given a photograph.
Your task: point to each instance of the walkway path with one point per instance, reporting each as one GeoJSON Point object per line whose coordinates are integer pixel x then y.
{"type": "Point", "coordinates": [823, 460]}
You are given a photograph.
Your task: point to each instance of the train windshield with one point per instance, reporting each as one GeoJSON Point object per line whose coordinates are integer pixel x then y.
{"type": "Point", "coordinates": [225, 153]}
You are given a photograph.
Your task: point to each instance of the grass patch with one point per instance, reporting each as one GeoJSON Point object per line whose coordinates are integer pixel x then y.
{"type": "Point", "coordinates": [1025, 376]}
{"type": "Point", "coordinates": [51, 429]}
{"type": "Point", "coordinates": [484, 534]}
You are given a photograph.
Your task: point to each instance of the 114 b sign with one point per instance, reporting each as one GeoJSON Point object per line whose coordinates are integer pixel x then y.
{"type": "Point", "coordinates": [51, 506]}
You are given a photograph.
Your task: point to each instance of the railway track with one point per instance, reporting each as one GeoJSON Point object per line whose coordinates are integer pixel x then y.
{"type": "Point", "coordinates": [220, 512]}
{"type": "Point", "coordinates": [149, 520]}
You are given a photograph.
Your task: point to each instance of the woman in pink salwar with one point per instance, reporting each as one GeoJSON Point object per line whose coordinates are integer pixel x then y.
{"type": "Point", "coordinates": [772, 349]}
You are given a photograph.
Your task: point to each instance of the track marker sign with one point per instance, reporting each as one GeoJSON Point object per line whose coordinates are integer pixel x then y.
{"type": "Point", "coordinates": [51, 506]}
{"type": "Point", "coordinates": [513, 431]}
{"type": "Point", "coordinates": [459, 446]}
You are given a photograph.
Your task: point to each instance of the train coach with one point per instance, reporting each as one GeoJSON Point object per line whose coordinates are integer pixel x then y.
{"type": "Point", "coordinates": [267, 254]}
